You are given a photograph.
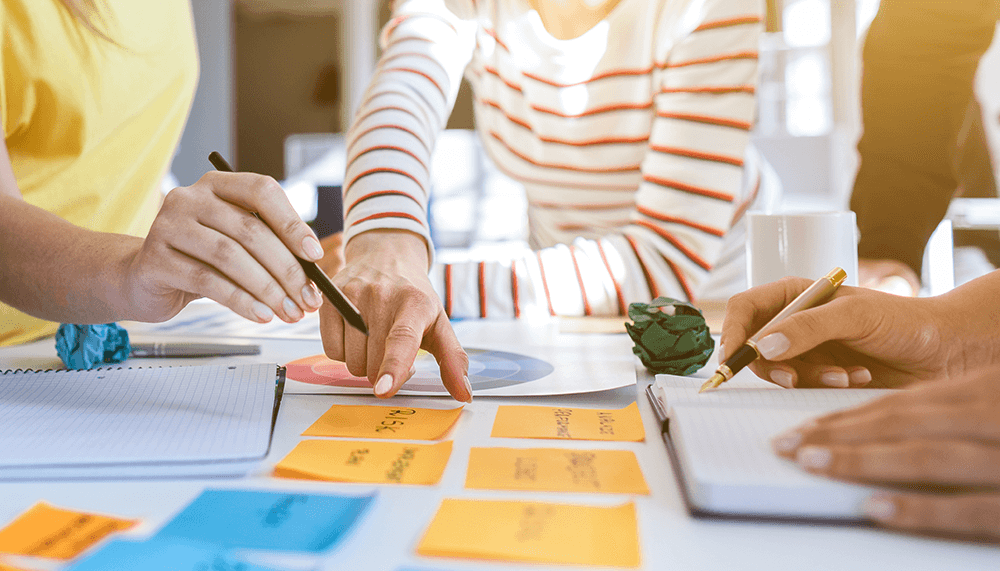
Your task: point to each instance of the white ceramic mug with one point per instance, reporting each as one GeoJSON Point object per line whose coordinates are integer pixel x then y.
{"type": "Point", "coordinates": [804, 244]}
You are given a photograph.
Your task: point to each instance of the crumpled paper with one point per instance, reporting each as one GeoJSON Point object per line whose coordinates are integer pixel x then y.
{"type": "Point", "coordinates": [670, 336]}
{"type": "Point", "coordinates": [89, 346]}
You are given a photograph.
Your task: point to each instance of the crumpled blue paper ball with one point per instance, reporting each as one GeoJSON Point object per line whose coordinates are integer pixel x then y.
{"type": "Point", "coordinates": [89, 346]}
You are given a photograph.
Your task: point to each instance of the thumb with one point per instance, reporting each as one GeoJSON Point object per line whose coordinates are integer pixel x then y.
{"type": "Point", "coordinates": [442, 342]}
{"type": "Point", "coordinates": [798, 333]}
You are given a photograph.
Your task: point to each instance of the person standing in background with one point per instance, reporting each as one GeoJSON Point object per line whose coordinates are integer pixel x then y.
{"type": "Point", "coordinates": [628, 123]}
{"type": "Point", "coordinates": [919, 117]}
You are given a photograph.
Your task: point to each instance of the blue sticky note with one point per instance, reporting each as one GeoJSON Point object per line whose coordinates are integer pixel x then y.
{"type": "Point", "coordinates": [260, 519]}
{"type": "Point", "coordinates": [163, 555]}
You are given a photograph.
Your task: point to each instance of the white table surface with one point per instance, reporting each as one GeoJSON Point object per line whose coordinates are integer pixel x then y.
{"type": "Point", "coordinates": [387, 537]}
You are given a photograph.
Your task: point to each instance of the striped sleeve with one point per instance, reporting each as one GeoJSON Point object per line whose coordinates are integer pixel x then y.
{"type": "Point", "coordinates": [425, 48]}
{"type": "Point", "coordinates": [693, 173]}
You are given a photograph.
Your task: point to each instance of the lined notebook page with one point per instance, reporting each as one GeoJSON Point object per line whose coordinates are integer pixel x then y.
{"type": "Point", "coordinates": [128, 416]}
{"type": "Point", "coordinates": [730, 467]}
{"type": "Point", "coordinates": [723, 440]}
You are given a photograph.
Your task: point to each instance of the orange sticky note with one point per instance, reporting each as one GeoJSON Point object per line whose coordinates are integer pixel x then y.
{"type": "Point", "coordinates": [46, 531]}
{"type": "Point", "coordinates": [400, 423]}
{"type": "Point", "coordinates": [622, 425]}
{"type": "Point", "coordinates": [9, 568]}
{"type": "Point", "coordinates": [366, 462]}
{"type": "Point", "coordinates": [555, 470]}
{"type": "Point", "coordinates": [536, 532]}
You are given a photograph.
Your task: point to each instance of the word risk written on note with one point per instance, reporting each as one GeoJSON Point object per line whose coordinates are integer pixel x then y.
{"type": "Point", "coordinates": [535, 532]}
{"type": "Point", "coordinates": [398, 423]}
{"type": "Point", "coordinates": [366, 462]}
{"type": "Point", "coordinates": [622, 425]}
{"type": "Point", "coordinates": [555, 470]}
{"type": "Point", "coordinates": [47, 531]}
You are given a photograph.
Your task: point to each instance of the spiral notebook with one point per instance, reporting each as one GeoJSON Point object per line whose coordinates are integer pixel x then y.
{"type": "Point", "coordinates": [117, 423]}
{"type": "Point", "coordinates": [720, 447]}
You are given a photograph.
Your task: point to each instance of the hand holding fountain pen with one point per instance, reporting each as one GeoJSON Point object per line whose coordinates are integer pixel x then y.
{"type": "Point", "coordinates": [815, 294]}
{"type": "Point", "coordinates": [313, 272]}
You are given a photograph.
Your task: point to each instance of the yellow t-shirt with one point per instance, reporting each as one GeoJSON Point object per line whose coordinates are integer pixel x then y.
{"type": "Point", "coordinates": [91, 126]}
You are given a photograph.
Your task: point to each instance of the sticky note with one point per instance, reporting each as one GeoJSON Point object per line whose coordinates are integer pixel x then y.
{"type": "Point", "coordinates": [400, 423]}
{"type": "Point", "coordinates": [555, 470]}
{"type": "Point", "coordinates": [9, 568]}
{"type": "Point", "coordinates": [259, 519]}
{"type": "Point", "coordinates": [47, 531]}
{"type": "Point", "coordinates": [623, 425]}
{"type": "Point", "coordinates": [163, 555]}
{"type": "Point", "coordinates": [536, 532]}
{"type": "Point", "coordinates": [366, 462]}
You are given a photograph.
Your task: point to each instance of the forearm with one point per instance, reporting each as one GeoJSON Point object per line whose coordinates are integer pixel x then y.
{"type": "Point", "coordinates": [57, 271]}
{"type": "Point", "coordinates": [970, 324]}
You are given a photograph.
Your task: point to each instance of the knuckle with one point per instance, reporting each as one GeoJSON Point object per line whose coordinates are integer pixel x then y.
{"type": "Point", "coordinates": [223, 250]}
{"type": "Point", "coordinates": [402, 333]}
{"type": "Point", "coordinates": [273, 291]}
{"type": "Point", "coordinates": [200, 278]}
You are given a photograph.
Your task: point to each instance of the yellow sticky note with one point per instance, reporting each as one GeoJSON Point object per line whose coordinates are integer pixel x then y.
{"type": "Point", "coordinates": [46, 531]}
{"type": "Point", "coordinates": [536, 532]}
{"type": "Point", "coordinates": [366, 462]}
{"type": "Point", "coordinates": [400, 423]}
{"type": "Point", "coordinates": [622, 425]}
{"type": "Point", "coordinates": [555, 470]}
{"type": "Point", "coordinates": [9, 568]}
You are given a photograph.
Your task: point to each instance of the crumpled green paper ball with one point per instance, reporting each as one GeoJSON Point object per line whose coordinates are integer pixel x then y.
{"type": "Point", "coordinates": [670, 336]}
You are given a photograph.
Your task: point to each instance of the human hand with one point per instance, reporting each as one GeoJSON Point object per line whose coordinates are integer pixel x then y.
{"type": "Point", "coordinates": [206, 242]}
{"type": "Point", "coordinates": [386, 278]}
{"type": "Point", "coordinates": [890, 276]}
{"type": "Point", "coordinates": [938, 444]}
{"type": "Point", "coordinates": [857, 335]}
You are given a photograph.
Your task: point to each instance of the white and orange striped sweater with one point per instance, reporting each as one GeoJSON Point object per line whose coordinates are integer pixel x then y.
{"type": "Point", "coordinates": [631, 141]}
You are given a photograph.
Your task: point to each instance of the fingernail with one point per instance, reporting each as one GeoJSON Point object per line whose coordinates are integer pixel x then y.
{"type": "Point", "coordinates": [860, 378]}
{"type": "Point", "coordinates": [814, 457]}
{"type": "Point", "coordinates": [310, 296]}
{"type": "Point", "coordinates": [291, 310]}
{"type": "Point", "coordinates": [783, 378]}
{"type": "Point", "coordinates": [721, 352]}
{"type": "Point", "coordinates": [836, 379]}
{"type": "Point", "coordinates": [787, 441]}
{"type": "Point", "coordinates": [312, 248]}
{"type": "Point", "coordinates": [468, 387]}
{"type": "Point", "coordinates": [263, 312]}
{"type": "Point", "coordinates": [384, 385]}
{"type": "Point", "coordinates": [773, 346]}
{"type": "Point", "coordinates": [879, 507]}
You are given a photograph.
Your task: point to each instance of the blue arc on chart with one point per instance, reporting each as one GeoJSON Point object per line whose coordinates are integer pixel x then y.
{"type": "Point", "coordinates": [491, 369]}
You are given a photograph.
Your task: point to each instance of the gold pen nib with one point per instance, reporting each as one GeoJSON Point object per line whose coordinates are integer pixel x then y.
{"type": "Point", "coordinates": [716, 380]}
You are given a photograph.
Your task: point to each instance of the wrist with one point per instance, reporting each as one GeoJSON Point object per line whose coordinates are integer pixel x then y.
{"type": "Point", "coordinates": [390, 247]}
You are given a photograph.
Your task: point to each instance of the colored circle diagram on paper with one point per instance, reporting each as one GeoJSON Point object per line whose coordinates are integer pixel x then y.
{"type": "Point", "coordinates": [488, 369]}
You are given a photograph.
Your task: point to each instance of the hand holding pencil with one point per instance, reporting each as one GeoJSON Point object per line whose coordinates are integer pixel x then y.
{"type": "Point", "coordinates": [857, 336]}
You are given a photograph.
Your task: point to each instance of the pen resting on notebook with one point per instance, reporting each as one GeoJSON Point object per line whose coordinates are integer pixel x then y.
{"type": "Point", "coordinates": [815, 294]}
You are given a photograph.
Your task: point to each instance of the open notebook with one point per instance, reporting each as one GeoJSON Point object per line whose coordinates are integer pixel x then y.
{"type": "Point", "coordinates": [720, 444]}
{"type": "Point", "coordinates": [143, 422]}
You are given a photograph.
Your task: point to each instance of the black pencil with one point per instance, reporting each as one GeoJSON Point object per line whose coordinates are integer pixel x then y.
{"type": "Point", "coordinates": [313, 272]}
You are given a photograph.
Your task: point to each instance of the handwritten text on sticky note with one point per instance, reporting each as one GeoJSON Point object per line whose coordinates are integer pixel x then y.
{"type": "Point", "coordinates": [555, 470]}
{"type": "Point", "coordinates": [623, 425]}
{"type": "Point", "coordinates": [531, 531]}
{"type": "Point", "coordinates": [47, 531]}
{"type": "Point", "coordinates": [366, 462]}
{"type": "Point", "coordinates": [401, 423]}
{"type": "Point", "coordinates": [261, 519]}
